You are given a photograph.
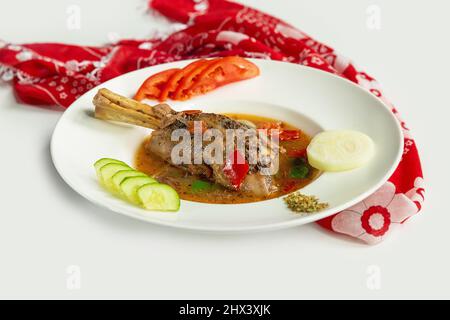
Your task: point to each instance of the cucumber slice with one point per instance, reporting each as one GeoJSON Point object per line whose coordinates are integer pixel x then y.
{"type": "Point", "coordinates": [158, 196]}
{"type": "Point", "coordinates": [340, 150]}
{"type": "Point", "coordinates": [108, 171]}
{"type": "Point", "coordinates": [103, 161]}
{"type": "Point", "coordinates": [122, 175]}
{"type": "Point", "coordinates": [130, 186]}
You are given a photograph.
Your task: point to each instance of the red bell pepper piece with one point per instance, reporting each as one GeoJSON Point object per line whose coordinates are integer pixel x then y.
{"type": "Point", "coordinates": [287, 135]}
{"type": "Point", "coordinates": [236, 169]}
{"type": "Point", "coordinates": [289, 186]}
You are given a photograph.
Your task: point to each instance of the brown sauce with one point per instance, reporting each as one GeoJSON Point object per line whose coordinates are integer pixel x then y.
{"type": "Point", "coordinates": [288, 178]}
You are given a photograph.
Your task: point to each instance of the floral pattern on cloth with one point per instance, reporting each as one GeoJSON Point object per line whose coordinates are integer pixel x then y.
{"type": "Point", "coordinates": [57, 74]}
{"type": "Point", "coordinates": [372, 219]}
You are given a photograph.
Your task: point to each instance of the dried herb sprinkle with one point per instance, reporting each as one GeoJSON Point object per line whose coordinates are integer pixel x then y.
{"type": "Point", "coordinates": [301, 203]}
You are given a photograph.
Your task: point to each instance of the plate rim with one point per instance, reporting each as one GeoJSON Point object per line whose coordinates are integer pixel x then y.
{"type": "Point", "coordinates": [252, 228]}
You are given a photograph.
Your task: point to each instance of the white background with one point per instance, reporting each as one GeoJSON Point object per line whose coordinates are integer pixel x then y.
{"type": "Point", "coordinates": [45, 227]}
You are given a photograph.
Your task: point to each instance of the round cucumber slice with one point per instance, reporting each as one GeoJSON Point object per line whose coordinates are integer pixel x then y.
{"type": "Point", "coordinates": [103, 161]}
{"type": "Point", "coordinates": [340, 150]}
{"type": "Point", "coordinates": [158, 196]}
{"type": "Point", "coordinates": [108, 171]}
{"type": "Point", "coordinates": [122, 175]}
{"type": "Point", "coordinates": [129, 187]}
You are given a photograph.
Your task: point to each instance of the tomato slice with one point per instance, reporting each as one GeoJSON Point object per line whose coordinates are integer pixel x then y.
{"type": "Point", "coordinates": [196, 78]}
{"type": "Point", "coordinates": [152, 87]}
{"type": "Point", "coordinates": [188, 80]}
{"type": "Point", "coordinates": [175, 80]}
{"type": "Point", "coordinates": [221, 72]}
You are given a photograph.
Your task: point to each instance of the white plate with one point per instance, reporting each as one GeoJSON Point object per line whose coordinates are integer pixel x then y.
{"type": "Point", "coordinates": [310, 99]}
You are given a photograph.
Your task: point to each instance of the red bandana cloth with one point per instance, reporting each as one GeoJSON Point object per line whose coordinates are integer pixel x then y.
{"type": "Point", "coordinates": [57, 74]}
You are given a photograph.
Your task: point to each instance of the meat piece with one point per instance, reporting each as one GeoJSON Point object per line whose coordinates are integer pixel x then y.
{"type": "Point", "coordinates": [160, 143]}
{"type": "Point", "coordinates": [258, 185]}
{"type": "Point", "coordinates": [164, 120]}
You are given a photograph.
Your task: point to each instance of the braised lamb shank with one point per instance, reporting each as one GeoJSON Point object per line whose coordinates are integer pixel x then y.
{"type": "Point", "coordinates": [163, 120]}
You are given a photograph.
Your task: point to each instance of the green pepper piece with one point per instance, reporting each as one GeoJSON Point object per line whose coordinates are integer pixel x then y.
{"type": "Point", "coordinates": [201, 186]}
{"type": "Point", "coordinates": [299, 172]}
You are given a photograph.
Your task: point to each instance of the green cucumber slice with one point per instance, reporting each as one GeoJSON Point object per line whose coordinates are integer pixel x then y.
{"type": "Point", "coordinates": [130, 185]}
{"type": "Point", "coordinates": [104, 161]}
{"type": "Point", "coordinates": [108, 171]}
{"type": "Point", "coordinates": [158, 196]}
{"type": "Point", "coordinates": [122, 175]}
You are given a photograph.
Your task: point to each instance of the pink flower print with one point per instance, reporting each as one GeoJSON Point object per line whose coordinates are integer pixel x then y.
{"type": "Point", "coordinates": [371, 219]}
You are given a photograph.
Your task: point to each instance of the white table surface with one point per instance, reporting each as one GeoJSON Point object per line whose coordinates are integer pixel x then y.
{"type": "Point", "coordinates": [45, 227]}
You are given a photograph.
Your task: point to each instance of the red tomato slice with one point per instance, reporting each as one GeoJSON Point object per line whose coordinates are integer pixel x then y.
{"type": "Point", "coordinates": [175, 80]}
{"type": "Point", "coordinates": [223, 71]}
{"type": "Point", "coordinates": [152, 87]}
{"type": "Point", "coordinates": [188, 80]}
